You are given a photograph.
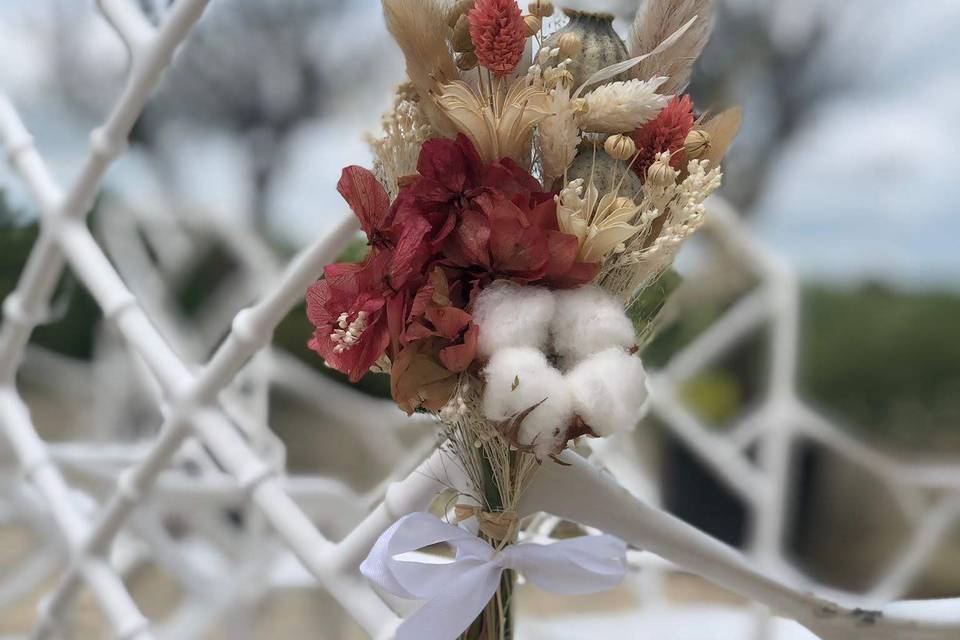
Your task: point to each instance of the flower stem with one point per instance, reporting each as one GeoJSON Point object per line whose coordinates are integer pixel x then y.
{"type": "Point", "coordinates": [496, 620]}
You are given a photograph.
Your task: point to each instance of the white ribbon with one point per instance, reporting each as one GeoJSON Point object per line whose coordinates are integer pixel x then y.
{"type": "Point", "coordinates": [456, 592]}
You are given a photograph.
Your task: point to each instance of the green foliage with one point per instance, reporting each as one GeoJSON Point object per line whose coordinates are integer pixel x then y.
{"type": "Point", "coordinates": [887, 361]}
{"type": "Point", "coordinates": [645, 310]}
{"type": "Point", "coordinates": [675, 335]}
{"type": "Point", "coordinates": [355, 251]}
{"type": "Point", "coordinates": [206, 276]}
{"type": "Point", "coordinates": [73, 314]}
{"type": "Point", "coordinates": [716, 396]}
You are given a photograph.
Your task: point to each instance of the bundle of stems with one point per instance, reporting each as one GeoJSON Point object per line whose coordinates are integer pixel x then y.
{"type": "Point", "coordinates": [498, 474]}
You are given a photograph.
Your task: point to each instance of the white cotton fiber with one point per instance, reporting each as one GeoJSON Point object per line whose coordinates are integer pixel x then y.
{"type": "Point", "coordinates": [609, 391]}
{"type": "Point", "coordinates": [589, 320]}
{"type": "Point", "coordinates": [520, 378]}
{"type": "Point", "coordinates": [509, 315]}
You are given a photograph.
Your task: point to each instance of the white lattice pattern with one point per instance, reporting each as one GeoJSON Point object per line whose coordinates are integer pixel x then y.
{"type": "Point", "coordinates": [221, 435]}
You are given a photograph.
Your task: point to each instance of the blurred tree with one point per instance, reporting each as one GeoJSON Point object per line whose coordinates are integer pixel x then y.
{"type": "Point", "coordinates": [254, 70]}
{"type": "Point", "coordinates": [71, 325]}
{"type": "Point", "coordinates": [886, 361]}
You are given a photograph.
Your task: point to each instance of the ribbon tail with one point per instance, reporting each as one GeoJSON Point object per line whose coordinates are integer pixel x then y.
{"type": "Point", "coordinates": [449, 614]}
{"type": "Point", "coordinates": [580, 566]}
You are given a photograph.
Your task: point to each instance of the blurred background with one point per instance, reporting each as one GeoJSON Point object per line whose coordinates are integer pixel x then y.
{"type": "Point", "coordinates": [846, 167]}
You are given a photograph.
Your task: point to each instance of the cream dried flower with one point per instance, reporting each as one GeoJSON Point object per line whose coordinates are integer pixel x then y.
{"type": "Point", "coordinates": [681, 210]}
{"type": "Point", "coordinates": [500, 128]}
{"type": "Point", "coordinates": [601, 224]}
{"type": "Point", "coordinates": [623, 106]}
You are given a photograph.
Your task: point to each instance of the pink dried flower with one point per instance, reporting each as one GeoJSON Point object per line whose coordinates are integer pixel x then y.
{"type": "Point", "coordinates": [499, 35]}
{"type": "Point", "coordinates": [667, 132]}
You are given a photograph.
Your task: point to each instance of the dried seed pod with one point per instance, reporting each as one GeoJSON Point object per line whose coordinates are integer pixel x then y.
{"type": "Point", "coordinates": [533, 24]}
{"type": "Point", "coordinates": [460, 8]}
{"type": "Point", "coordinates": [467, 61]}
{"type": "Point", "coordinates": [620, 147]}
{"type": "Point", "coordinates": [606, 173]}
{"type": "Point", "coordinates": [461, 40]}
{"type": "Point", "coordinates": [661, 174]}
{"type": "Point", "coordinates": [601, 46]}
{"type": "Point", "coordinates": [541, 8]}
{"type": "Point", "coordinates": [570, 46]}
{"type": "Point", "coordinates": [697, 144]}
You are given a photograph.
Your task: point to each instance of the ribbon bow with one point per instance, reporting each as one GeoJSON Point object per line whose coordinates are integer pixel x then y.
{"type": "Point", "coordinates": [456, 592]}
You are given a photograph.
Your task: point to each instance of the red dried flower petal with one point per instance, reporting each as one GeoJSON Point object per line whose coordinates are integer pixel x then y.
{"type": "Point", "coordinates": [667, 132]}
{"type": "Point", "coordinates": [348, 289]}
{"type": "Point", "coordinates": [499, 35]}
{"type": "Point", "coordinates": [368, 200]}
{"type": "Point", "coordinates": [458, 357]}
{"type": "Point", "coordinates": [448, 322]}
{"type": "Point", "coordinates": [410, 253]}
{"type": "Point", "coordinates": [450, 164]}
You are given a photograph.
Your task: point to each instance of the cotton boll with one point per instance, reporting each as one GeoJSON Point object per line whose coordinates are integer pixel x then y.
{"type": "Point", "coordinates": [518, 379]}
{"type": "Point", "coordinates": [512, 316]}
{"type": "Point", "coordinates": [589, 320]}
{"type": "Point", "coordinates": [609, 391]}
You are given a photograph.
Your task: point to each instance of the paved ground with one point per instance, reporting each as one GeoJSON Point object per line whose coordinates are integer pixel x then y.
{"type": "Point", "coordinates": [298, 614]}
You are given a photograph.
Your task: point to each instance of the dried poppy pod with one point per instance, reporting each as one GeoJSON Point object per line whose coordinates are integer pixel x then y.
{"type": "Point", "coordinates": [697, 144]}
{"type": "Point", "coordinates": [606, 173]}
{"type": "Point", "coordinates": [467, 61]}
{"type": "Point", "coordinates": [461, 39]}
{"type": "Point", "coordinates": [533, 24]}
{"type": "Point", "coordinates": [460, 8]}
{"type": "Point", "coordinates": [541, 9]}
{"type": "Point", "coordinates": [620, 147]}
{"type": "Point", "coordinates": [600, 44]}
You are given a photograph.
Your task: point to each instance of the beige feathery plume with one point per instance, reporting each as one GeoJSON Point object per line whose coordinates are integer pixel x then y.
{"type": "Point", "coordinates": [619, 107]}
{"type": "Point", "coordinates": [419, 26]}
{"type": "Point", "coordinates": [498, 131]}
{"type": "Point", "coordinates": [721, 129]}
{"type": "Point", "coordinates": [656, 20]}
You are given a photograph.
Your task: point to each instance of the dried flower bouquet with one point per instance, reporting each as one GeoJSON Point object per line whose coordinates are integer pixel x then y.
{"type": "Point", "coordinates": [527, 188]}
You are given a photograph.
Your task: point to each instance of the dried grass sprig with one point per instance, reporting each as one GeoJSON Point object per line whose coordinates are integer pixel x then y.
{"type": "Point", "coordinates": [559, 133]}
{"type": "Point", "coordinates": [656, 20]}
{"type": "Point", "coordinates": [484, 453]}
{"type": "Point", "coordinates": [405, 129]}
{"type": "Point", "coordinates": [417, 26]}
{"type": "Point", "coordinates": [672, 211]}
